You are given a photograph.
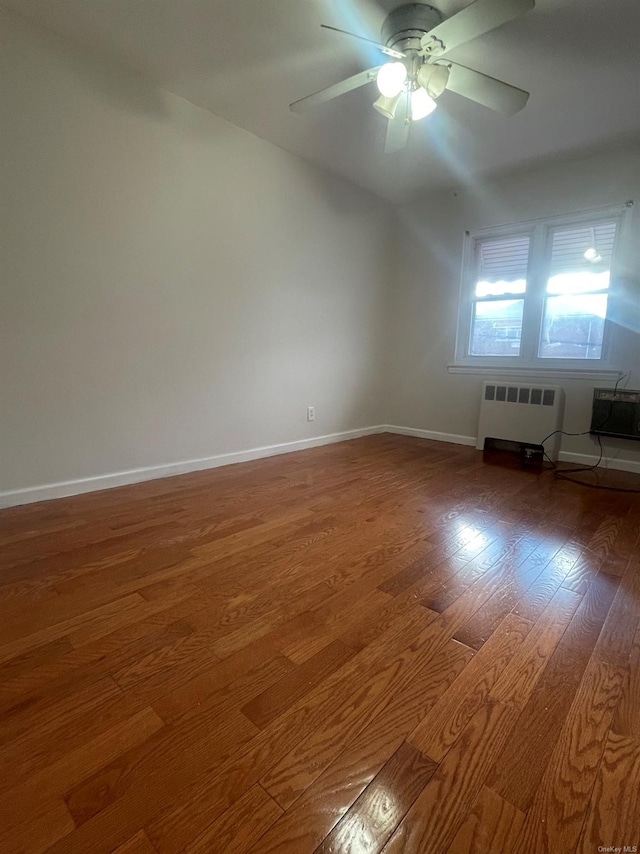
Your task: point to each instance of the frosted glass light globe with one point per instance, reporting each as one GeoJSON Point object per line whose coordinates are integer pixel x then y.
{"type": "Point", "coordinates": [387, 106]}
{"type": "Point", "coordinates": [391, 79]}
{"type": "Point", "coordinates": [421, 104]}
{"type": "Point", "coordinates": [434, 79]}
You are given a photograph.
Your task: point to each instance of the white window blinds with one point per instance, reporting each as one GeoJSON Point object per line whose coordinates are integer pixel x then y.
{"type": "Point", "coordinates": [583, 249]}
{"type": "Point", "coordinates": [503, 260]}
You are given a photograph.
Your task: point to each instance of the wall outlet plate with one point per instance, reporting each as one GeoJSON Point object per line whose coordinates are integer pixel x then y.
{"type": "Point", "coordinates": [311, 413]}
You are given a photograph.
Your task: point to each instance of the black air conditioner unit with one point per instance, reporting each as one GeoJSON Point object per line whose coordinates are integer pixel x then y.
{"type": "Point", "coordinates": [616, 413]}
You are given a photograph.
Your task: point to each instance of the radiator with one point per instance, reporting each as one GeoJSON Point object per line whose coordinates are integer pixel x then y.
{"type": "Point", "coordinates": [521, 413]}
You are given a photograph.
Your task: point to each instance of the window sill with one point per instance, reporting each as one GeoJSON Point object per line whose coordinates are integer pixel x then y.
{"type": "Point", "coordinates": [605, 374]}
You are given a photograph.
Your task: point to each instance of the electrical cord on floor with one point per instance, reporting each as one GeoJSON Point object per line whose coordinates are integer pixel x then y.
{"type": "Point", "coordinates": [565, 474]}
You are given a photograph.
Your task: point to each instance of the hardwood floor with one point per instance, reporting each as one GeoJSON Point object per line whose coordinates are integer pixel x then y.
{"type": "Point", "coordinates": [384, 645]}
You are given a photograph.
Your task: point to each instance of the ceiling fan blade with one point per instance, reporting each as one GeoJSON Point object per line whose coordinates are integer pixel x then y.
{"type": "Point", "coordinates": [398, 127]}
{"type": "Point", "coordinates": [389, 51]}
{"type": "Point", "coordinates": [471, 22]}
{"type": "Point", "coordinates": [334, 91]}
{"type": "Point", "coordinates": [488, 91]}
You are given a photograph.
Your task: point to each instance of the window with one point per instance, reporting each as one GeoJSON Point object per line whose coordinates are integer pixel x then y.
{"type": "Point", "coordinates": [537, 295]}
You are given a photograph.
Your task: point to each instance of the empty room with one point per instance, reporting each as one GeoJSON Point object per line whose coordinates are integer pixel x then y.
{"type": "Point", "coordinates": [319, 427]}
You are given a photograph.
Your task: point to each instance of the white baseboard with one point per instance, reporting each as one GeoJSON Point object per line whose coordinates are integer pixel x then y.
{"type": "Point", "coordinates": [430, 434]}
{"type": "Point", "coordinates": [607, 462]}
{"type": "Point", "coordinates": [66, 488]}
{"type": "Point", "coordinates": [564, 456]}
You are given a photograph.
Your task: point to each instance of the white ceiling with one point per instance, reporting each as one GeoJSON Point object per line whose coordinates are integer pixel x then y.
{"type": "Point", "coordinates": [247, 59]}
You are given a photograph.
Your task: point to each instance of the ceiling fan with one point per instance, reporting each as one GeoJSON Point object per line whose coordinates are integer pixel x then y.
{"type": "Point", "coordinates": [417, 39]}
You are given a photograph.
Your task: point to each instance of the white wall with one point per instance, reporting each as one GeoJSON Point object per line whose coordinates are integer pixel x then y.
{"type": "Point", "coordinates": [422, 394]}
{"type": "Point", "coordinates": [171, 287]}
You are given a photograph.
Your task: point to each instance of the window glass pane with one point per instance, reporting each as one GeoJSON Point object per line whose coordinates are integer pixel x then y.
{"type": "Point", "coordinates": [581, 282]}
{"type": "Point", "coordinates": [581, 258]}
{"type": "Point", "coordinates": [497, 328]}
{"type": "Point", "coordinates": [573, 326]}
{"type": "Point", "coordinates": [501, 266]}
{"type": "Point", "coordinates": [500, 289]}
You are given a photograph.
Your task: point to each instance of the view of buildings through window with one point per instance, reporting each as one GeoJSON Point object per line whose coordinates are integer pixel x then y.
{"type": "Point", "coordinates": [569, 309]}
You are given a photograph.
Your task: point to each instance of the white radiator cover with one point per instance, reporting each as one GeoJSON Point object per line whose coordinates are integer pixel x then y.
{"type": "Point", "coordinates": [524, 412]}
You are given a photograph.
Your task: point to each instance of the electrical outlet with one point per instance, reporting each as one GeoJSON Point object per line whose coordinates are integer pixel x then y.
{"type": "Point", "coordinates": [311, 413]}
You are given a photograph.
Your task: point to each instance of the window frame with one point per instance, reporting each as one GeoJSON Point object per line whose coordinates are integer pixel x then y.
{"type": "Point", "coordinates": [540, 232]}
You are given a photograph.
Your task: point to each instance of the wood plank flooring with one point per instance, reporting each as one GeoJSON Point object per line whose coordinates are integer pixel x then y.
{"type": "Point", "coordinates": [381, 646]}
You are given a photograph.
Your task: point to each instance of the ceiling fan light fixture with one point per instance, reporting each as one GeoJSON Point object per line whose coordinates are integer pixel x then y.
{"type": "Point", "coordinates": [434, 79]}
{"type": "Point", "coordinates": [423, 76]}
{"type": "Point", "coordinates": [415, 36]}
{"type": "Point", "coordinates": [391, 78]}
{"type": "Point", "coordinates": [422, 104]}
{"type": "Point", "coordinates": [388, 106]}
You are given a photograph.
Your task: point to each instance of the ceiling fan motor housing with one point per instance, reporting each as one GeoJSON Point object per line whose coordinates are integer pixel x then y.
{"type": "Point", "coordinates": [405, 26]}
